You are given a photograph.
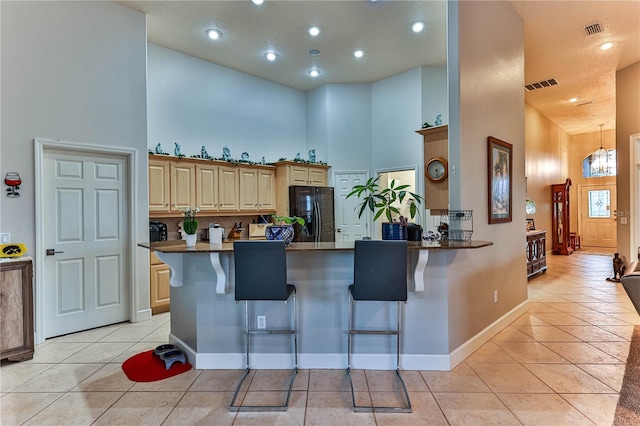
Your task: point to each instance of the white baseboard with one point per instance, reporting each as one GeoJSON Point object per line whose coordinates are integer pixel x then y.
{"type": "Point", "coordinates": [142, 315]}
{"type": "Point", "coordinates": [473, 344]}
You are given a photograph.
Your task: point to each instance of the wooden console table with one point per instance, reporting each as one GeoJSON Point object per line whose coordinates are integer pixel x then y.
{"type": "Point", "coordinates": [536, 252]}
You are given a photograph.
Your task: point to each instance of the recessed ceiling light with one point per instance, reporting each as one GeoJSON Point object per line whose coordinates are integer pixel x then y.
{"type": "Point", "coordinates": [313, 31]}
{"type": "Point", "coordinates": [214, 34]}
{"type": "Point", "coordinates": [271, 56]}
{"type": "Point", "coordinates": [314, 52]}
{"type": "Point", "coordinates": [257, 2]}
{"type": "Point", "coordinates": [574, 99]}
{"type": "Point", "coordinates": [314, 72]}
{"type": "Point", "coordinates": [358, 53]}
{"type": "Point", "coordinates": [606, 46]}
{"type": "Point", "coordinates": [417, 27]}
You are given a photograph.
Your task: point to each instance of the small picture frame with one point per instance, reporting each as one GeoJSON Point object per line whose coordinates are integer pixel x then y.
{"type": "Point", "coordinates": [531, 226]}
{"type": "Point", "coordinates": [500, 160]}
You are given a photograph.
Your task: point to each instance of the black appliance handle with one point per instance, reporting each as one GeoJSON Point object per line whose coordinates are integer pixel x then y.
{"type": "Point", "coordinates": [318, 222]}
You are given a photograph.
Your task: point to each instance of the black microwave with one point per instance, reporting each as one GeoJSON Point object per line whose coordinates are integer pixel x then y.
{"type": "Point", "coordinates": [157, 231]}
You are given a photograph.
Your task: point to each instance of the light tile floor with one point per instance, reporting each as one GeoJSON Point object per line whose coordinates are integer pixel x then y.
{"type": "Point", "coordinates": [560, 363]}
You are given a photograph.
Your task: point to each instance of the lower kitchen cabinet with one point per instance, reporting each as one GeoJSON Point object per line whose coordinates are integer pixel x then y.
{"type": "Point", "coordinates": [16, 310]}
{"type": "Point", "coordinates": [159, 283]}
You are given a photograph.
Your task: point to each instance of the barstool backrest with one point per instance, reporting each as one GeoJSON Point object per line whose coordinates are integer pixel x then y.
{"type": "Point", "coordinates": [380, 270]}
{"type": "Point", "coordinates": [260, 270]}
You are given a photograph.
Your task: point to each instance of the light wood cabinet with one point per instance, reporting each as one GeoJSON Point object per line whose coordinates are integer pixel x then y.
{"type": "Point", "coordinates": [436, 145]}
{"type": "Point", "coordinates": [183, 185]}
{"type": "Point", "coordinates": [229, 189]}
{"type": "Point", "coordinates": [248, 189]}
{"type": "Point", "coordinates": [16, 310]}
{"type": "Point", "coordinates": [159, 285]}
{"type": "Point", "coordinates": [257, 190]}
{"type": "Point", "coordinates": [224, 188]}
{"type": "Point", "coordinates": [207, 187]}
{"type": "Point", "coordinates": [159, 191]}
{"type": "Point", "coordinates": [291, 173]}
{"type": "Point", "coordinates": [267, 190]}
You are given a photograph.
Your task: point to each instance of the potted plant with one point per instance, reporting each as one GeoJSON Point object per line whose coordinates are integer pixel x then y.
{"type": "Point", "coordinates": [282, 228]}
{"type": "Point", "coordinates": [189, 224]}
{"type": "Point", "coordinates": [383, 202]}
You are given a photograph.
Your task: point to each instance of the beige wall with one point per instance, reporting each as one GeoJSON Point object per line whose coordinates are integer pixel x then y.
{"type": "Point", "coordinates": [486, 79]}
{"type": "Point", "coordinates": [627, 124]}
{"type": "Point", "coordinates": [547, 148]}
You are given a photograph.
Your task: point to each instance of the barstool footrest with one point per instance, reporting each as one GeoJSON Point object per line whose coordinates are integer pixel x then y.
{"type": "Point", "coordinates": [245, 408]}
{"type": "Point", "coordinates": [382, 409]}
{"type": "Point", "coordinates": [378, 332]}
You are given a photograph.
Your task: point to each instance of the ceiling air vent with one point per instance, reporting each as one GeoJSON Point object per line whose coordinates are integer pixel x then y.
{"type": "Point", "coordinates": [593, 29]}
{"type": "Point", "coordinates": [541, 84]}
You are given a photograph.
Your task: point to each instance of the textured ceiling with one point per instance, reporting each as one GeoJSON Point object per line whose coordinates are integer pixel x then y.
{"type": "Point", "coordinates": [555, 44]}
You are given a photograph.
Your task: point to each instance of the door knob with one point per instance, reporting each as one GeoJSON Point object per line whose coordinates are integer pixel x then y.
{"type": "Point", "coordinates": [51, 252]}
{"type": "Point", "coordinates": [339, 230]}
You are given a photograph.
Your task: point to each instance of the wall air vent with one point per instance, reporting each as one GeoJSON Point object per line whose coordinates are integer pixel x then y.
{"type": "Point", "coordinates": [593, 29]}
{"type": "Point", "coordinates": [541, 84]}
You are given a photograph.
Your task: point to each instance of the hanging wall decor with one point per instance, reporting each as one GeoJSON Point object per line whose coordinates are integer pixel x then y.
{"type": "Point", "coordinates": [13, 181]}
{"type": "Point", "coordinates": [500, 158]}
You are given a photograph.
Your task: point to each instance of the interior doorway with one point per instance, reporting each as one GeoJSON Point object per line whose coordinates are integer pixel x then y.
{"type": "Point", "coordinates": [597, 221]}
{"type": "Point", "coordinates": [403, 176]}
{"type": "Point", "coordinates": [84, 259]}
{"type": "Point", "coordinates": [348, 226]}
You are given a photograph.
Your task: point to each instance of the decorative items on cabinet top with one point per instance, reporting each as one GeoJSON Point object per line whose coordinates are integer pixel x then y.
{"type": "Point", "coordinates": [226, 156]}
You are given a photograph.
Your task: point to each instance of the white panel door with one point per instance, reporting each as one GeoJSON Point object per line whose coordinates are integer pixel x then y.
{"type": "Point", "coordinates": [85, 197]}
{"type": "Point", "coordinates": [598, 222]}
{"type": "Point", "coordinates": [348, 226]}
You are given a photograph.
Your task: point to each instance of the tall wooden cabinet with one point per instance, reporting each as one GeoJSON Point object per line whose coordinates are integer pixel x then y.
{"type": "Point", "coordinates": [16, 309]}
{"type": "Point", "coordinates": [560, 234]}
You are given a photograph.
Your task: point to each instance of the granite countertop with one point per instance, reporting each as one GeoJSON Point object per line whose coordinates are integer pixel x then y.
{"type": "Point", "coordinates": [179, 246]}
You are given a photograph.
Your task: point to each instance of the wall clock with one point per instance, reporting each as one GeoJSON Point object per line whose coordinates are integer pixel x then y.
{"type": "Point", "coordinates": [437, 169]}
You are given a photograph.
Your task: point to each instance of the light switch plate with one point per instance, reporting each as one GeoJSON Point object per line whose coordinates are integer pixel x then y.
{"type": "Point", "coordinates": [5, 238]}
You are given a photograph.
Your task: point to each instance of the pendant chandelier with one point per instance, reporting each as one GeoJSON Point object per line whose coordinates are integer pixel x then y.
{"type": "Point", "coordinates": [600, 160]}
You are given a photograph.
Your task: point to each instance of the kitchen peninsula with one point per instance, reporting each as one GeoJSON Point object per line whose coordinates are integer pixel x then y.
{"type": "Point", "coordinates": [206, 322]}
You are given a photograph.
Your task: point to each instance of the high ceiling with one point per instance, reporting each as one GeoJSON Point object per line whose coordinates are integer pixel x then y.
{"type": "Point", "coordinates": [555, 44]}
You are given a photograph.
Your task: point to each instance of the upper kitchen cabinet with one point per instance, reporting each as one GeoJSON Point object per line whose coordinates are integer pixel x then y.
{"type": "Point", "coordinates": [222, 188]}
{"type": "Point", "coordinates": [267, 190]}
{"type": "Point", "coordinates": [159, 193]}
{"type": "Point", "coordinates": [257, 190]}
{"type": "Point", "coordinates": [183, 185]}
{"type": "Point", "coordinates": [436, 167]}
{"type": "Point", "coordinates": [207, 184]}
{"type": "Point", "coordinates": [229, 193]}
{"type": "Point", "coordinates": [300, 174]}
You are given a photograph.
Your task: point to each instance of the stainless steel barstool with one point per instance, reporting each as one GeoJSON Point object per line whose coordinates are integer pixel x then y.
{"type": "Point", "coordinates": [261, 274]}
{"type": "Point", "coordinates": [380, 274]}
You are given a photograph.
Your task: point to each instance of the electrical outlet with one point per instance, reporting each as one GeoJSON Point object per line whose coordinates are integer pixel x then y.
{"type": "Point", "coordinates": [262, 322]}
{"type": "Point", "coordinates": [495, 296]}
{"type": "Point", "coordinates": [5, 238]}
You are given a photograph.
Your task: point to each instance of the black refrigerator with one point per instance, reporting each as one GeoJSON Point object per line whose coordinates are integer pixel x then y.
{"type": "Point", "coordinates": [315, 205]}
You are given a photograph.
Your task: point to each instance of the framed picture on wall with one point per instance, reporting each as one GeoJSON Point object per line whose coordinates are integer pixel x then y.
{"type": "Point", "coordinates": [500, 159]}
{"type": "Point", "coordinates": [531, 226]}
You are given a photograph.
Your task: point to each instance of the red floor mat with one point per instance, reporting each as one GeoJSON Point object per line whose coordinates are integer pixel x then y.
{"type": "Point", "coordinates": [147, 367]}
